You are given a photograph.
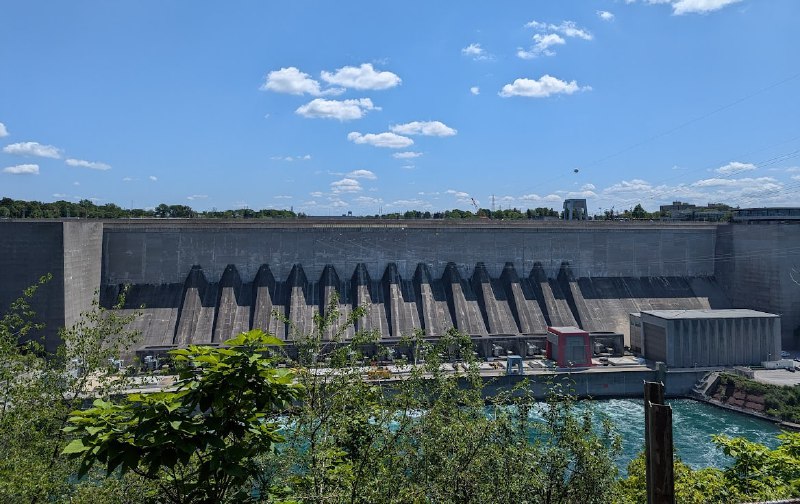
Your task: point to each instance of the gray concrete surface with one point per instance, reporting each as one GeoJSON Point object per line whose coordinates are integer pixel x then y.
{"type": "Point", "coordinates": [758, 266]}
{"type": "Point", "coordinates": [483, 277]}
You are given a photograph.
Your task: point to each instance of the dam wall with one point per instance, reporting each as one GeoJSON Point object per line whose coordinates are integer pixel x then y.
{"type": "Point", "coordinates": [205, 280]}
{"type": "Point", "coordinates": [758, 266]}
{"type": "Point", "coordinates": [155, 252]}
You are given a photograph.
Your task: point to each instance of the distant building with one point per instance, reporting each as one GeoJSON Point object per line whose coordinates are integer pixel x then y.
{"type": "Point", "coordinates": [679, 210]}
{"type": "Point", "coordinates": [776, 214]}
{"type": "Point", "coordinates": [575, 209]}
{"type": "Point", "coordinates": [676, 206]}
{"type": "Point", "coordinates": [699, 338]}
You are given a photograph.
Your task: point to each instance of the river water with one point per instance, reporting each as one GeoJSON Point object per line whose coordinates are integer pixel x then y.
{"type": "Point", "coordinates": [693, 424]}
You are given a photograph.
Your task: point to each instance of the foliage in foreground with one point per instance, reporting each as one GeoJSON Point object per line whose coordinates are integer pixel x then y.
{"type": "Point", "coordinates": [757, 474]}
{"type": "Point", "coordinates": [430, 437]}
{"type": "Point", "coordinates": [37, 392]}
{"type": "Point", "coordinates": [198, 443]}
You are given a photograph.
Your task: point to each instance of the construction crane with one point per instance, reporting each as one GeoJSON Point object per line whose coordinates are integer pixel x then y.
{"type": "Point", "coordinates": [475, 204]}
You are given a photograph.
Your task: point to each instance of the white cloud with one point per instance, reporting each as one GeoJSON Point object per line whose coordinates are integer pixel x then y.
{"type": "Point", "coordinates": [292, 81]}
{"type": "Point", "coordinates": [760, 183]}
{"type": "Point", "coordinates": [635, 185]}
{"type": "Point", "coordinates": [3, 130]}
{"type": "Point", "coordinates": [588, 187]}
{"type": "Point", "coordinates": [476, 52]}
{"type": "Point", "coordinates": [291, 158]}
{"type": "Point", "coordinates": [542, 46]}
{"type": "Point", "coordinates": [197, 197]}
{"type": "Point", "coordinates": [362, 77]}
{"type": "Point", "coordinates": [23, 169]}
{"type": "Point", "coordinates": [386, 139]}
{"type": "Point", "coordinates": [92, 165]}
{"type": "Point", "coordinates": [127, 179]}
{"type": "Point", "coordinates": [793, 169]}
{"type": "Point", "coordinates": [282, 196]}
{"type": "Point", "coordinates": [795, 177]}
{"type": "Point", "coordinates": [475, 90]}
{"type": "Point", "coordinates": [566, 28]}
{"type": "Point", "coordinates": [343, 110]}
{"type": "Point", "coordinates": [735, 167]}
{"type": "Point", "coordinates": [535, 198]}
{"type": "Point", "coordinates": [346, 185]}
{"type": "Point", "coordinates": [367, 200]}
{"type": "Point", "coordinates": [416, 204]}
{"type": "Point", "coordinates": [542, 88]}
{"type": "Point", "coordinates": [460, 196]}
{"type": "Point", "coordinates": [153, 178]}
{"type": "Point", "coordinates": [406, 155]}
{"type": "Point", "coordinates": [581, 194]}
{"type": "Point", "coordinates": [32, 149]}
{"type": "Point", "coordinates": [365, 174]}
{"type": "Point", "coordinates": [605, 15]}
{"type": "Point", "coordinates": [408, 167]}
{"type": "Point", "coordinates": [699, 6]}
{"type": "Point", "coordinates": [680, 7]}
{"type": "Point", "coordinates": [316, 194]}
{"type": "Point", "coordinates": [426, 128]}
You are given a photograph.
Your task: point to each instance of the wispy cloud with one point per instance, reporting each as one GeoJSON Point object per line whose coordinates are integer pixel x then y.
{"type": "Point", "coordinates": [32, 149]}
{"type": "Point", "coordinates": [3, 130]}
{"type": "Point", "coordinates": [566, 28]}
{"type": "Point", "coordinates": [605, 15]}
{"type": "Point", "coordinates": [476, 52]}
{"type": "Point", "coordinates": [542, 46]}
{"type": "Point", "coordinates": [23, 169]}
{"type": "Point", "coordinates": [365, 174]}
{"type": "Point", "coordinates": [386, 139]}
{"type": "Point", "coordinates": [92, 165]}
{"type": "Point", "coordinates": [194, 197]}
{"type": "Point", "coordinates": [475, 90]}
{"type": "Point", "coordinates": [425, 128]}
{"type": "Point", "coordinates": [346, 185]}
{"type": "Point", "coordinates": [735, 167]}
{"type": "Point", "coordinates": [406, 155]}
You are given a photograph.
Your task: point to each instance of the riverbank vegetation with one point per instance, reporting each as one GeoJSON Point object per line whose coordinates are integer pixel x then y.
{"type": "Point", "coordinates": [247, 423]}
{"type": "Point", "coordinates": [781, 402]}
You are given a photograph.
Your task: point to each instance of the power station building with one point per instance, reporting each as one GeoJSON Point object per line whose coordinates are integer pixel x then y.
{"type": "Point", "coordinates": [698, 338]}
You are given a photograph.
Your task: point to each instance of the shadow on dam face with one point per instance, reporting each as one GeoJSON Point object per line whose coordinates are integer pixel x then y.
{"type": "Point", "coordinates": [202, 310]}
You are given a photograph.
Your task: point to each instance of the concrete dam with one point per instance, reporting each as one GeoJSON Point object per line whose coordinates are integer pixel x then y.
{"type": "Point", "coordinates": [203, 281]}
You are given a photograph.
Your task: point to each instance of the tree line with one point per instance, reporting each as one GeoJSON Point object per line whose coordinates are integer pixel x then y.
{"type": "Point", "coordinates": [20, 209]}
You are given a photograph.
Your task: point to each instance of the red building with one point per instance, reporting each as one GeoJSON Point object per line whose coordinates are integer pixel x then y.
{"type": "Point", "coordinates": [569, 346]}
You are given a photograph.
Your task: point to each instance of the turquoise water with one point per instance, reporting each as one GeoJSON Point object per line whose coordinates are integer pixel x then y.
{"type": "Point", "coordinates": [693, 424]}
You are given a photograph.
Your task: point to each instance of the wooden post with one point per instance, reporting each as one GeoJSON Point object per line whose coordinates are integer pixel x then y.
{"type": "Point", "coordinates": [658, 445]}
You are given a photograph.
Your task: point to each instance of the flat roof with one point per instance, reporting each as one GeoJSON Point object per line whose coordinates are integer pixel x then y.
{"type": "Point", "coordinates": [730, 313]}
{"type": "Point", "coordinates": [564, 330]}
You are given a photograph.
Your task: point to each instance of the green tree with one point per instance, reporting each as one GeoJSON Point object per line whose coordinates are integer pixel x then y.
{"type": "Point", "coordinates": [198, 443]}
{"type": "Point", "coordinates": [37, 392]}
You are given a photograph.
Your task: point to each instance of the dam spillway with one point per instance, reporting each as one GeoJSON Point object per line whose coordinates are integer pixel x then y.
{"type": "Point", "coordinates": [206, 280]}
{"type": "Point", "coordinates": [200, 311]}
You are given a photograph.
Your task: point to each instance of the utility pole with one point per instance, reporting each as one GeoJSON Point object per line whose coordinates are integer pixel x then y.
{"type": "Point", "coordinates": [658, 445]}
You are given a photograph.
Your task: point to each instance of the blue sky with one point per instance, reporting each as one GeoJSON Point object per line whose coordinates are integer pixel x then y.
{"type": "Point", "coordinates": [330, 107]}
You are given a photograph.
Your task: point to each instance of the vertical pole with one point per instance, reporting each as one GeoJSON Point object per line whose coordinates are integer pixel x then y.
{"type": "Point", "coordinates": [658, 445]}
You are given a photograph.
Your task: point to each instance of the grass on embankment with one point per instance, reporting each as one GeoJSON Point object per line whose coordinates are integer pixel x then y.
{"type": "Point", "coordinates": [779, 401]}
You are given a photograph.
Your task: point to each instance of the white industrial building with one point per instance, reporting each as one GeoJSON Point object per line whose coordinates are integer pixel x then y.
{"type": "Point", "coordinates": [694, 338]}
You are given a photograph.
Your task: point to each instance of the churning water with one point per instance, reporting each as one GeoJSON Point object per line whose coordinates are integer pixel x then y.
{"type": "Point", "coordinates": [693, 424]}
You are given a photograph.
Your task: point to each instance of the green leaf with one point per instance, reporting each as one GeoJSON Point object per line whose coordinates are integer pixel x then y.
{"type": "Point", "coordinates": [75, 446]}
